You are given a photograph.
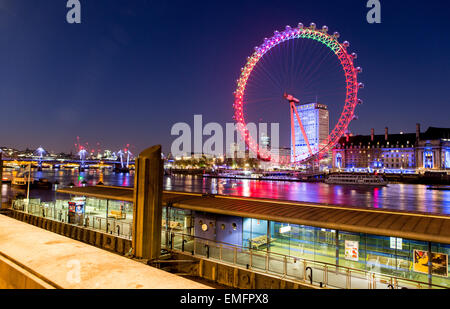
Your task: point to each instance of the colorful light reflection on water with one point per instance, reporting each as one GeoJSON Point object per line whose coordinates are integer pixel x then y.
{"type": "Point", "coordinates": [395, 196]}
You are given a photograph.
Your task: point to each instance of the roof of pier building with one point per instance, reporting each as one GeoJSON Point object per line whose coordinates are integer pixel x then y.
{"type": "Point", "coordinates": [409, 225]}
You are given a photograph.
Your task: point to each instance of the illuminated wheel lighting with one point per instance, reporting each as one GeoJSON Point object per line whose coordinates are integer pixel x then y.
{"type": "Point", "coordinates": [352, 87]}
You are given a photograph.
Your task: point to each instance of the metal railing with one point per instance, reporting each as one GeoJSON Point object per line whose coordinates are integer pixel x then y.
{"type": "Point", "coordinates": [108, 225]}
{"type": "Point", "coordinates": [295, 268]}
{"type": "Point", "coordinates": [316, 273]}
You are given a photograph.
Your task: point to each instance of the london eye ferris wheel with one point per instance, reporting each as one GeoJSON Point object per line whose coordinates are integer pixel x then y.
{"type": "Point", "coordinates": [298, 65]}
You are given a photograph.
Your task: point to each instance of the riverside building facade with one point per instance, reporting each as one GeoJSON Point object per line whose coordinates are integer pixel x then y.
{"type": "Point", "coordinates": [404, 152]}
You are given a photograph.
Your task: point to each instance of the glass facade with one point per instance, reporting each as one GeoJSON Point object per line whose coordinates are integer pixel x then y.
{"type": "Point", "coordinates": [338, 163]}
{"type": "Point", "coordinates": [115, 209]}
{"type": "Point", "coordinates": [447, 158]}
{"type": "Point", "coordinates": [115, 217]}
{"type": "Point", "coordinates": [369, 253]}
{"type": "Point", "coordinates": [428, 159]}
{"type": "Point", "coordinates": [270, 245]}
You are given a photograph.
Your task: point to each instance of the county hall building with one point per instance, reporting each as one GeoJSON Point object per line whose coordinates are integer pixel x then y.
{"type": "Point", "coordinates": [395, 152]}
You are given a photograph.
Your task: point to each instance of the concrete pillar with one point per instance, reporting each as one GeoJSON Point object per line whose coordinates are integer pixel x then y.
{"type": "Point", "coordinates": [337, 247]}
{"type": "Point", "coordinates": [147, 212]}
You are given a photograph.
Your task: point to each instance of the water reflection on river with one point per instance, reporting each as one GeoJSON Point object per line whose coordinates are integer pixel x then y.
{"type": "Point", "coordinates": [395, 196]}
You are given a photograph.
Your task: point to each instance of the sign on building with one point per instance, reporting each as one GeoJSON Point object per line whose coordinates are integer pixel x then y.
{"type": "Point", "coordinates": [352, 250]}
{"type": "Point", "coordinates": [396, 243]}
{"type": "Point", "coordinates": [439, 262]}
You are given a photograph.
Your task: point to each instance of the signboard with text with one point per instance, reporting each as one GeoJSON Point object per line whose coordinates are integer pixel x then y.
{"type": "Point", "coordinates": [352, 250]}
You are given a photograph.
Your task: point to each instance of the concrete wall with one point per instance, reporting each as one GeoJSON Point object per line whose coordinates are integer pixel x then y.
{"type": "Point", "coordinates": [210, 221]}
{"type": "Point", "coordinates": [215, 232]}
{"type": "Point", "coordinates": [237, 230]}
{"type": "Point", "coordinates": [234, 277]}
{"type": "Point", "coordinates": [230, 234]}
{"type": "Point", "coordinates": [102, 240]}
{"type": "Point", "coordinates": [30, 253]}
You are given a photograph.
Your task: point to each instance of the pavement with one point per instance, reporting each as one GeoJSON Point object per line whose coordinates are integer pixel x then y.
{"type": "Point", "coordinates": [70, 264]}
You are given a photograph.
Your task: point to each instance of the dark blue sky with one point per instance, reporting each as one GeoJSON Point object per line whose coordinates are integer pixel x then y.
{"type": "Point", "coordinates": [133, 68]}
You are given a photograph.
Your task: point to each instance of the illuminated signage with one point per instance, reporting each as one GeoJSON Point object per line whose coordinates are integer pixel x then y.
{"type": "Point", "coordinates": [77, 206]}
{"type": "Point", "coordinates": [285, 229]}
{"type": "Point", "coordinates": [396, 243]}
{"type": "Point", "coordinates": [439, 262]}
{"type": "Point", "coordinates": [352, 250]}
{"type": "Point", "coordinates": [447, 159]}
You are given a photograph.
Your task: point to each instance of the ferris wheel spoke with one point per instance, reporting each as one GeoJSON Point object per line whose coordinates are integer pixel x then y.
{"type": "Point", "coordinates": [299, 72]}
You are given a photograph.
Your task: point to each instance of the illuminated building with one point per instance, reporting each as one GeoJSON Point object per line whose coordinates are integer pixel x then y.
{"type": "Point", "coordinates": [281, 157]}
{"type": "Point", "coordinates": [315, 120]}
{"type": "Point", "coordinates": [395, 152]}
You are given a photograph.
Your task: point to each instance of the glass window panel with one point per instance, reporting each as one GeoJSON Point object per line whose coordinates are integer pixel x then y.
{"type": "Point", "coordinates": [259, 239]}
{"type": "Point", "coordinates": [440, 271]}
{"type": "Point", "coordinates": [280, 237]}
{"type": "Point", "coordinates": [246, 232]}
{"type": "Point", "coordinates": [352, 248]}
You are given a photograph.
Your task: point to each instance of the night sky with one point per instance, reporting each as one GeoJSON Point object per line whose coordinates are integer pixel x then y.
{"type": "Point", "coordinates": [133, 68]}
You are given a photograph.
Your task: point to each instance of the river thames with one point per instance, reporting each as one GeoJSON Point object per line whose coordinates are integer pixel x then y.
{"type": "Point", "coordinates": [406, 197]}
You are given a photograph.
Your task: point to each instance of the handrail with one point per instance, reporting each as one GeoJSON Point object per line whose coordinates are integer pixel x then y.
{"type": "Point", "coordinates": [33, 207]}
{"type": "Point", "coordinates": [324, 264]}
{"type": "Point", "coordinates": [255, 251]}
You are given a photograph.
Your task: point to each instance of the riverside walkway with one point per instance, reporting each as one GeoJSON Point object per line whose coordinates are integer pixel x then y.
{"type": "Point", "coordinates": [31, 257]}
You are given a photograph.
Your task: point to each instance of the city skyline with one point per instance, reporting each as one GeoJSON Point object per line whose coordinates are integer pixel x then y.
{"type": "Point", "coordinates": [61, 81]}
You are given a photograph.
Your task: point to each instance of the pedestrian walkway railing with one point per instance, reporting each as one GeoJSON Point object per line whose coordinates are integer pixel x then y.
{"type": "Point", "coordinates": [316, 273]}
{"type": "Point", "coordinates": [108, 225]}
{"type": "Point", "coordinates": [300, 269]}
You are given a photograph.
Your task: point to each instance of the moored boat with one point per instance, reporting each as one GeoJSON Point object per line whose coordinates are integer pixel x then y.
{"type": "Point", "coordinates": [440, 188]}
{"type": "Point", "coordinates": [21, 181]}
{"type": "Point", "coordinates": [356, 179]}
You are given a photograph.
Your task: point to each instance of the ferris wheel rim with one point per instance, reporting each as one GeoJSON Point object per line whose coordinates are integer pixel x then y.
{"type": "Point", "coordinates": [352, 86]}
